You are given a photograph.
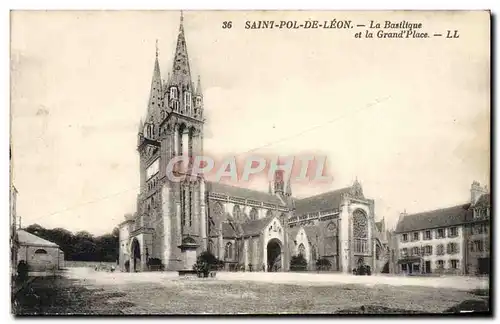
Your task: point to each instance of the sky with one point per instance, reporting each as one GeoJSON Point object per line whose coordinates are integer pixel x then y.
{"type": "Point", "coordinates": [409, 118]}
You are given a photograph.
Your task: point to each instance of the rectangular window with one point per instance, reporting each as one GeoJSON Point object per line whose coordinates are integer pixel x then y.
{"type": "Point", "coordinates": [405, 237]}
{"type": "Point", "coordinates": [440, 233]}
{"type": "Point", "coordinates": [477, 246]}
{"type": "Point", "coordinates": [454, 264]}
{"type": "Point", "coordinates": [428, 250]}
{"type": "Point", "coordinates": [404, 252]}
{"type": "Point", "coordinates": [452, 232]}
{"type": "Point", "coordinates": [415, 236]}
{"type": "Point", "coordinates": [452, 248]}
{"type": "Point", "coordinates": [428, 235]}
{"type": "Point", "coordinates": [360, 246]}
{"type": "Point", "coordinates": [440, 249]}
{"type": "Point", "coordinates": [415, 251]}
{"type": "Point", "coordinates": [440, 264]}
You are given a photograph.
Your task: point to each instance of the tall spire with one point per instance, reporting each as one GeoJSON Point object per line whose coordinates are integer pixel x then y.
{"type": "Point", "coordinates": [288, 190]}
{"type": "Point", "coordinates": [141, 127]}
{"type": "Point", "coordinates": [181, 74]}
{"type": "Point", "coordinates": [199, 92]}
{"type": "Point", "coordinates": [155, 94]}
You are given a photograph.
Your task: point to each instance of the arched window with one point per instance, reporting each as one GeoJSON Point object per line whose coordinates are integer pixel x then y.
{"type": "Point", "coordinates": [211, 247]}
{"type": "Point", "coordinates": [360, 231]}
{"type": "Point", "coordinates": [314, 257]}
{"type": "Point", "coordinates": [187, 102]}
{"type": "Point", "coordinates": [218, 210]}
{"type": "Point", "coordinates": [175, 106]}
{"type": "Point", "coordinates": [40, 251]}
{"type": "Point", "coordinates": [302, 250]}
{"type": "Point", "coordinates": [229, 250]}
{"type": "Point", "coordinates": [173, 93]}
{"type": "Point", "coordinates": [253, 214]}
{"type": "Point", "coordinates": [237, 213]}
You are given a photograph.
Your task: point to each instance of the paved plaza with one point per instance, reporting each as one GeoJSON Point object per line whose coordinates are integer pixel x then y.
{"type": "Point", "coordinates": [86, 291]}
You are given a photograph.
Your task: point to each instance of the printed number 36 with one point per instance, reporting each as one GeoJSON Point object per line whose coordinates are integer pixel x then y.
{"type": "Point", "coordinates": [227, 24]}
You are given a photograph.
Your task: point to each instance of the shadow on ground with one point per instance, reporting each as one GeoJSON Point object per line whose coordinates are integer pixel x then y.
{"type": "Point", "coordinates": [61, 296]}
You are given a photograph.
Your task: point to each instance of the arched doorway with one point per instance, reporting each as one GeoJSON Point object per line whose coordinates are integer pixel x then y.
{"type": "Point", "coordinates": [274, 262]}
{"type": "Point", "coordinates": [136, 256]}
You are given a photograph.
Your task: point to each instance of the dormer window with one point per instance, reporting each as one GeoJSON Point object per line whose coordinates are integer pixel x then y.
{"type": "Point", "coordinates": [173, 93]}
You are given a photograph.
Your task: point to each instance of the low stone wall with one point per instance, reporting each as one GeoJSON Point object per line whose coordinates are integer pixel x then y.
{"type": "Point", "coordinates": [89, 264]}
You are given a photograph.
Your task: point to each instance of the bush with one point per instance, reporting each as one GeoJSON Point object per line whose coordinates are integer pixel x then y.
{"type": "Point", "coordinates": [362, 270]}
{"type": "Point", "coordinates": [155, 264]}
{"type": "Point", "coordinates": [323, 264]}
{"type": "Point", "coordinates": [205, 262]}
{"type": "Point", "coordinates": [298, 263]}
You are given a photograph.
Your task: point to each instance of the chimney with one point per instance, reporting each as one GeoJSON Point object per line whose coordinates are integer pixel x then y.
{"type": "Point", "coordinates": [476, 191]}
{"type": "Point", "coordinates": [402, 215]}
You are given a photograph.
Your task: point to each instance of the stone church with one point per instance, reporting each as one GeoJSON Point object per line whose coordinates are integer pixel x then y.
{"type": "Point", "coordinates": [258, 231]}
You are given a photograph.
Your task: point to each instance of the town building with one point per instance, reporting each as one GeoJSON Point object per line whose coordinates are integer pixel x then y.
{"type": "Point", "coordinates": [255, 230]}
{"type": "Point", "coordinates": [39, 254]}
{"type": "Point", "coordinates": [451, 240]}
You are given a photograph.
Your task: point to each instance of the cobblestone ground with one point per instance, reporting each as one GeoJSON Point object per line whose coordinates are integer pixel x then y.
{"type": "Point", "coordinates": [84, 291]}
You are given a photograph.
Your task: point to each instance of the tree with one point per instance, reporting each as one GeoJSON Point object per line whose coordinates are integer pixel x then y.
{"type": "Point", "coordinates": [207, 261]}
{"type": "Point", "coordinates": [323, 264]}
{"type": "Point", "coordinates": [298, 263]}
{"type": "Point", "coordinates": [82, 246]}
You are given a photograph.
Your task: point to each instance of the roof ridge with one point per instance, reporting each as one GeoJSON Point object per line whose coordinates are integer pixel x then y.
{"type": "Point", "coordinates": [325, 193]}
{"type": "Point", "coordinates": [437, 209]}
{"type": "Point", "coordinates": [243, 188]}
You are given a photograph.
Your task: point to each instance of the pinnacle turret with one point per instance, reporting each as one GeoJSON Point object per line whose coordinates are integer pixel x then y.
{"type": "Point", "coordinates": [181, 73]}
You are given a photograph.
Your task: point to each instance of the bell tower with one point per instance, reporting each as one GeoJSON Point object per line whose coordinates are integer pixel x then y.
{"type": "Point", "coordinates": [170, 220]}
{"type": "Point", "coordinates": [182, 134]}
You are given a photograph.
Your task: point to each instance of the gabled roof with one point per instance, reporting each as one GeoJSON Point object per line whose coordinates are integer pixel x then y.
{"type": "Point", "coordinates": [325, 201]}
{"type": "Point", "coordinates": [484, 200]}
{"type": "Point", "coordinates": [312, 233]}
{"type": "Point", "coordinates": [256, 226]}
{"type": "Point", "coordinates": [26, 238]}
{"type": "Point", "coordinates": [243, 193]}
{"type": "Point", "coordinates": [434, 219]}
{"type": "Point", "coordinates": [228, 231]}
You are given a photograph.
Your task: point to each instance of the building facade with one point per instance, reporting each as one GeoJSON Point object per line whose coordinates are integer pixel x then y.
{"type": "Point", "coordinates": [259, 231]}
{"type": "Point", "coordinates": [39, 254]}
{"type": "Point", "coordinates": [14, 242]}
{"type": "Point", "coordinates": [453, 240]}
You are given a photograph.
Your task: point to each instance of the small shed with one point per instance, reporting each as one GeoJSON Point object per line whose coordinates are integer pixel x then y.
{"type": "Point", "coordinates": [40, 255]}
